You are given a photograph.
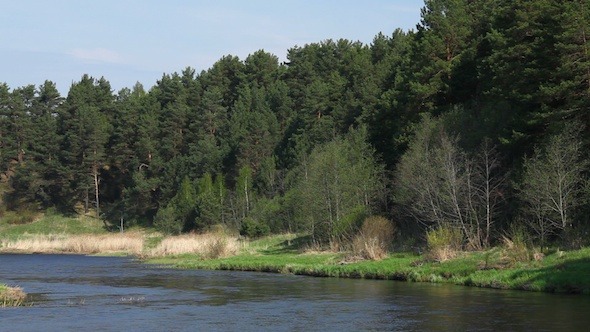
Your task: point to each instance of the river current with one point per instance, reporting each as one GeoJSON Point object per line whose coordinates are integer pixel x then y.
{"type": "Point", "coordinates": [75, 293]}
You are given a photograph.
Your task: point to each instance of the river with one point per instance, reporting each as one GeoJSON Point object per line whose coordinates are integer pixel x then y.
{"type": "Point", "coordinates": [74, 293]}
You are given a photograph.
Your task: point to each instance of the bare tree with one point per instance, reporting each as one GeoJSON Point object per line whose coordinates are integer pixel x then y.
{"type": "Point", "coordinates": [489, 187]}
{"type": "Point", "coordinates": [553, 183]}
{"type": "Point", "coordinates": [440, 185]}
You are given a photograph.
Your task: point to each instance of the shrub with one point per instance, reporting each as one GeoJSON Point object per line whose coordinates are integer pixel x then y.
{"type": "Point", "coordinates": [374, 238]}
{"type": "Point", "coordinates": [517, 246]}
{"type": "Point", "coordinates": [253, 229]}
{"type": "Point", "coordinates": [167, 221]}
{"type": "Point", "coordinates": [11, 296]}
{"type": "Point", "coordinates": [444, 243]}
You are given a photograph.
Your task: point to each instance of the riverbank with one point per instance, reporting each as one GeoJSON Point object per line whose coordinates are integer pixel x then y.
{"type": "Point", "coordinates": [86, 236]}
{"type": "Point", "coordinates": [555, 272]}
{"type": "Point", "coordinates": [11, 296]}
{"type": "Point", "coordinates": [501, 267]}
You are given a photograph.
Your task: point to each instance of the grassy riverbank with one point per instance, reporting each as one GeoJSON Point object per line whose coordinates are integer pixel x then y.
{"type": "Point", "coordinates": [82, 235]}
{"type": "Point", "coordinates": [558, 271]}
{"type": "Point", "coordinates": [500, 267]}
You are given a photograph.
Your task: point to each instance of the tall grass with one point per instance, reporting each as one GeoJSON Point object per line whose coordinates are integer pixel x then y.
{"type": "Point", "coordinates": [210, 245]}
{"type": "Point", "coordinates": [76, 244]}
{"type": "Point", "coordinates": [444, 243]}
{"type": "Point", "coordinates": [11, 296]}
{"type": "Point", "coordinates": [374, 238]}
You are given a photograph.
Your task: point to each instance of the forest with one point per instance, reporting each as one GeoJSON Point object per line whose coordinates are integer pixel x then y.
{"type": "Point", "coordinates": [472, 125]}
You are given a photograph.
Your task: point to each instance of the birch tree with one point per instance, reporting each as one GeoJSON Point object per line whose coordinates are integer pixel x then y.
{"type": "Point", "coordinates": [553, 183]}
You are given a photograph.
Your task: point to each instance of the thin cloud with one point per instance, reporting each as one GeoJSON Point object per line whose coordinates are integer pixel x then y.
{"type": "Point", "coordinates": [97, 55]}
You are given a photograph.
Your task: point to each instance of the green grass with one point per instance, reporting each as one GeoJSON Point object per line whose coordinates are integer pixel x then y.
{"type": "Point", "coordinates": [52, 224]}
{"type": "Point", "coordinates": [558, 271]}
{"type": "Point", "coordinates": [562, 272]}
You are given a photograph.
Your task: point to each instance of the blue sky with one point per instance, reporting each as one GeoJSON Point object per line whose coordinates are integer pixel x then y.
{"type": "Point", "coordinates": [129, 41]}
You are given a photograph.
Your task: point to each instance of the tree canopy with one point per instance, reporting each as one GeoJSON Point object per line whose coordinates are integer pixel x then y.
{"type": "Point", "coordinates": [340, 128]}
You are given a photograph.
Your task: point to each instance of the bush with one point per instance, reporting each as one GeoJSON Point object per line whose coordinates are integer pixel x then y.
{"type": "Point", "coordinates": [517, 246]}
{"type": "Point", "coordinates": [444, 243]}
{"type": "Point", "coordinates": [167, 221]}
{"type": "Point", "coordinates": [11, 296]}
{"type": "Point", "coordinates": [349, 225]}
{"type": "Point", "coordinates": [374, 238]}
{"type": "Point", "coordinates": [253, 229]}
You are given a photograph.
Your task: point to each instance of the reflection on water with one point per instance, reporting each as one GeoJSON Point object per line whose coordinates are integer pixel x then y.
{"type": "Point", "coordinates": [109, 293]}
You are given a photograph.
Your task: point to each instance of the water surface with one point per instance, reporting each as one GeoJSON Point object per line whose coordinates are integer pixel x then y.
{"type": "Point", "coordinates": [74, 292]}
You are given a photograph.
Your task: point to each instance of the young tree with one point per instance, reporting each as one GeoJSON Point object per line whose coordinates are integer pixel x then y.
{"type": "Point", "coordinates": [210, 201]}
{"type": "Point", "coordinates": [339, 185]}
{"type": "Point", "coordinates": [553, 183]}
{"type": "Point", "coordinates": [244, 194]}
{"type": "Point", "coordinates": [439, 185]}
{"type": "Point", "coordinates": [179, 214]}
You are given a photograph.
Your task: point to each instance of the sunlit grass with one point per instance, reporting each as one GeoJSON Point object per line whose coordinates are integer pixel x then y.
{"type": "Point", "coordinates": [556, 272]}
{"type": "Point", "coordinates": [500, 267]}
{"type": "Point", "coordinates": [11, 296]}
{"type": "Point", "coordinates": [208, 245]}
{"type": "Point", "coordinates": [130, 243]}
{"type": "Point", "coordinates": [53, 224]}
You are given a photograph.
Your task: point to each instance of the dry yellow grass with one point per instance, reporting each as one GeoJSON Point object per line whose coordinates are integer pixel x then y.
{"type": "Point", "coordinates": [374, 239]}
{"type": "Point", "coordinates": [130, 243]}
{"type": "Point", "coordinates": [211, 245]}
{"type": "Point", "coordinates": [11, 296]}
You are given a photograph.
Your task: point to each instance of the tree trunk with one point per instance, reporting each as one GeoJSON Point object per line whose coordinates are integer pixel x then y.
{"type": "Point", "coordinates": [86, 201]}
{"type": "Point", "coordinates": [96, 192]}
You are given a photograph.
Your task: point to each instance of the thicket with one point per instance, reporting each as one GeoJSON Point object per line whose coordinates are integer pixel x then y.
{"type": "Point", "coordinates": [474, 121]}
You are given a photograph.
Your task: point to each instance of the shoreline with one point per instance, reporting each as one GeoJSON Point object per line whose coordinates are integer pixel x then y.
{"type": "Point", "coordinates": [556, 272]}
{"type": "Point", "coordinates": [372, 271]}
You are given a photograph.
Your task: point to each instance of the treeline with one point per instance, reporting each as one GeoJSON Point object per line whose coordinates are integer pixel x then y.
{"type": "Point", "coordinates": [476, 121]}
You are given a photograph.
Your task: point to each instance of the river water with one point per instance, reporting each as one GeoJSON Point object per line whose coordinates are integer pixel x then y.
{"type": "Point", "coordinates": [75, 293]}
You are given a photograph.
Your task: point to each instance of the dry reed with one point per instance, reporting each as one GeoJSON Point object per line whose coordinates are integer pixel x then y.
{"type": "Point", "coordinates": [444, 243]}
{"type": "Point", "coordinates": [76, 244]}
{"type": "Point", "coordinates": [12, 296]}
{"type": "Point", "coordinates": [208, 245]}
{"type": "Point", "coordinates": [374, 238]}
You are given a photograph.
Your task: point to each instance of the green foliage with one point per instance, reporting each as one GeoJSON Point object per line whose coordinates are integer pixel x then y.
{"type": "Point", "coordinates": [168, 222]}
{"type": "Point", "coordinates": [179, 215]}
{"type": "Point", "coordinates": [210, 202]}
{"type": "Point", "coordinates": [518, 245]}
{"type": "Point", "coordinates": [254, 229]}
{"type": "Point", "coordinates": [561, 272]}
{"type": "Point", "coordinates": [280, 142]}
{"type": "Point", "coordinates": [337, 186]}
{"type": "Point", "coordinates": [444, 243]}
